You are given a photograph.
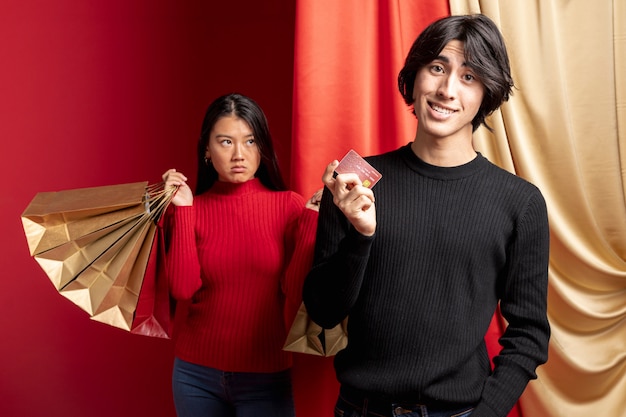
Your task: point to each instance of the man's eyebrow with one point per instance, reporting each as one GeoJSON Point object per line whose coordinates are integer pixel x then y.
{"type": "Point", "coordinates": [445, 59]}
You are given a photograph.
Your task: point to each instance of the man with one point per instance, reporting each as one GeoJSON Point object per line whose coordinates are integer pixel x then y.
{"type": "Point", "coordinates": [420, 262]}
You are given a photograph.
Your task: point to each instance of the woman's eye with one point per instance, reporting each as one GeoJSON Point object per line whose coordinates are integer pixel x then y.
{"type": "Point", "coordinates": [251, 142]}
{"type": "Point", "coordinates": [437, 68]}
{"type": "Point", "coordinates": [469, 77]}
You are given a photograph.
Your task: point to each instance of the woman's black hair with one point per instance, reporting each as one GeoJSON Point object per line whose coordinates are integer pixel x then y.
{"type": "Point", "coordinates": [485, 54]}
{"type": "Point", "coordinates": [248, 110]}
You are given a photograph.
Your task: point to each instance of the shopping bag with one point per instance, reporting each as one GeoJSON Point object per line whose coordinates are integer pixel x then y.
{"type": "Point", "coordinates": [95, 244]}
{"type": "Point", "coordinates": [305, 336]}
{"type": "Point", "coordinates": [54, 218]}
{"type": "Point", "coordinates": [155, 310]}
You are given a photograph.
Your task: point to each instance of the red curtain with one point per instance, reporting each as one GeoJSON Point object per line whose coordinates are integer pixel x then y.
{"type": "Point", "coordinates": [346, 61]}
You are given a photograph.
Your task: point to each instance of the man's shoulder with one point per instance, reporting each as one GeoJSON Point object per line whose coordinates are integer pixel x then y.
{"type": "Point", "coordinates": [504, 174]}
{"type": "Point", "coordinates": [388, 157]}
{"type": "Point", "coordinates": [512, 184]}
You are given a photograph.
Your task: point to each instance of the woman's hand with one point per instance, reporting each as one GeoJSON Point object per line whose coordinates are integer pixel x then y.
{"type": "Point", "coordinates": [314, 202]}
{"type": "Point", "coordinates": [354, 200]}
{"type": "Point", "coordinates": [183, 196]}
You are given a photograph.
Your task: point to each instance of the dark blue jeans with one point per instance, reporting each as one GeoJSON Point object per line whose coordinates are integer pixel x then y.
{"type": "Point", "coordinates": [206, 392]}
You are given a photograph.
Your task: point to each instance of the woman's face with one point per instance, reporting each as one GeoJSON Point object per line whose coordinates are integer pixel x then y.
{"type": "Point", "coordinates": [232, 150]}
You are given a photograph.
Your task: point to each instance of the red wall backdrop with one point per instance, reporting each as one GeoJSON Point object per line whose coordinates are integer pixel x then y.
{"type": "Point", "coordinates": [106, 92]}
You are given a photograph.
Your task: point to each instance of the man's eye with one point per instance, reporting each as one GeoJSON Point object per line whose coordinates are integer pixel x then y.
{"type": "Point", "coordinates": [437, 68]}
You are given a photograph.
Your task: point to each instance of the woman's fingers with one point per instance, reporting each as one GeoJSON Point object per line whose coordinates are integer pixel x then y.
{"type": "Point", "coordinates": [171, 177]}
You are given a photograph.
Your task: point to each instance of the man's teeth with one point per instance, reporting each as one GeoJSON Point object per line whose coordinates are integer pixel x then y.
{"type": "Point", "coordinates": [441, 109]}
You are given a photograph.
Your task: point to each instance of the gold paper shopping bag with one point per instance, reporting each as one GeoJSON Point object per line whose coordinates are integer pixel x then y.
{"type": "Point", "coordinates": [95, 244]}
{"type": "Point", "coordinates": [305, 336]}
{"type": "Point", "coordinates": [54, 218]}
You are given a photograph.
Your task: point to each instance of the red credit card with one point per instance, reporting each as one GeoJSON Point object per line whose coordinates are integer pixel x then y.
{"type": "Point", "coordinates": [354, 163]}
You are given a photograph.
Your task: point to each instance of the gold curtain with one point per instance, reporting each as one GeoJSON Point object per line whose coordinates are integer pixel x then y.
{"type": "Point", "coordinates": [564, 129]}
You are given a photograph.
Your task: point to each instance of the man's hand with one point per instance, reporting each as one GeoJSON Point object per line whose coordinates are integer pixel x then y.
{"type": "Point", "coordinates": [354, 200]}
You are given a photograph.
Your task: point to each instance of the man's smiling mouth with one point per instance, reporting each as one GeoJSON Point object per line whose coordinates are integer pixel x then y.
{"type": "Point", "coordinates": [440, 109]}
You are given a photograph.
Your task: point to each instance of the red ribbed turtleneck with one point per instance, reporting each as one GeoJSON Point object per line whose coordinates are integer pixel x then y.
{"type": "Point", "coordinates": [238, 253]}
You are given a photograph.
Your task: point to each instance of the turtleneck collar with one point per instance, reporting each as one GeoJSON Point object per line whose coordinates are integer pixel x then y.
{"type": "Point", "coordinates": [442, 173]}
{"type": "Point", "coordinates": [237, 188]}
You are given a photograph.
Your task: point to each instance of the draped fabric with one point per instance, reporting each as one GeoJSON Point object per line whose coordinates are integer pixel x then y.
{"type": "Point", "coordinates": [564, 129]}
{"type": "Point", "coordinates": [346, 61]}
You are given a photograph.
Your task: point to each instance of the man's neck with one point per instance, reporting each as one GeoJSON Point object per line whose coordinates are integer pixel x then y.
{"type": "Point", "coordinates": [444, 152]}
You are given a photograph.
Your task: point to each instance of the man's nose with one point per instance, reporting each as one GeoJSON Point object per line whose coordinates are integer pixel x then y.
{"type": "Point", "coordinates": [447, 87]}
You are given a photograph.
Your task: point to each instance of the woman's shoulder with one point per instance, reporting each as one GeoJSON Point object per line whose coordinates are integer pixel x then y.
{"type": "Point", "coordinates": [290, 198]}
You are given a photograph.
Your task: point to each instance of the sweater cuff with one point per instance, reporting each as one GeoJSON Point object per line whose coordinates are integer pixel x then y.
{"type": "Point", "coordinates": [309, 218]}
{"type": "Point", "coordinates": [502, 391]}
{"type": "Point", "coordinates": [184, 215]}
{"type": "Point", "coordinates": [357, 243]}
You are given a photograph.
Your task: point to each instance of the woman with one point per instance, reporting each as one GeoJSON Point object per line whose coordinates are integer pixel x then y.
{"type": "Point", "coordinates": [239, 250]}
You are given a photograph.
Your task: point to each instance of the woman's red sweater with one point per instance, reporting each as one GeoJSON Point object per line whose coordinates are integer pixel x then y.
{"type": "Point", "coordinates": [240, 253]}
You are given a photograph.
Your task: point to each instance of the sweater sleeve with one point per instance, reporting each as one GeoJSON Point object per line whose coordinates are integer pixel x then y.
{"type": "Point", "coordinates": [341, 253]}
{"type": "Point", "coordinates": [299, 241]}
{"type": "Point", "coordinates": [524, 306]}
{"type": "Point", "coordinates": [183, 267]}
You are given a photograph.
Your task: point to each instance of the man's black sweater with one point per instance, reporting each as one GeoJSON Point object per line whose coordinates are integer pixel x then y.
{"type": "Point", "coordinates": [450, 244]}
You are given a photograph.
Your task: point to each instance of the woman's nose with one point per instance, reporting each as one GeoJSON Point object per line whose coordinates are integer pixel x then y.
{"type": "Point", "coordinates": [237, 152]}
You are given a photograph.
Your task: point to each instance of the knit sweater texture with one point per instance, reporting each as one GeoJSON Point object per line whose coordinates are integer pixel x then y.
{"type": "Point", "coordinates": [240, 254]}
{"type": "Point", "coordinates": [450, 244]}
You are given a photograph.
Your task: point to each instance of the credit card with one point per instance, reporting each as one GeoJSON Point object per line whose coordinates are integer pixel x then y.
{"type": "Point", "coordinates": [352, 162]}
